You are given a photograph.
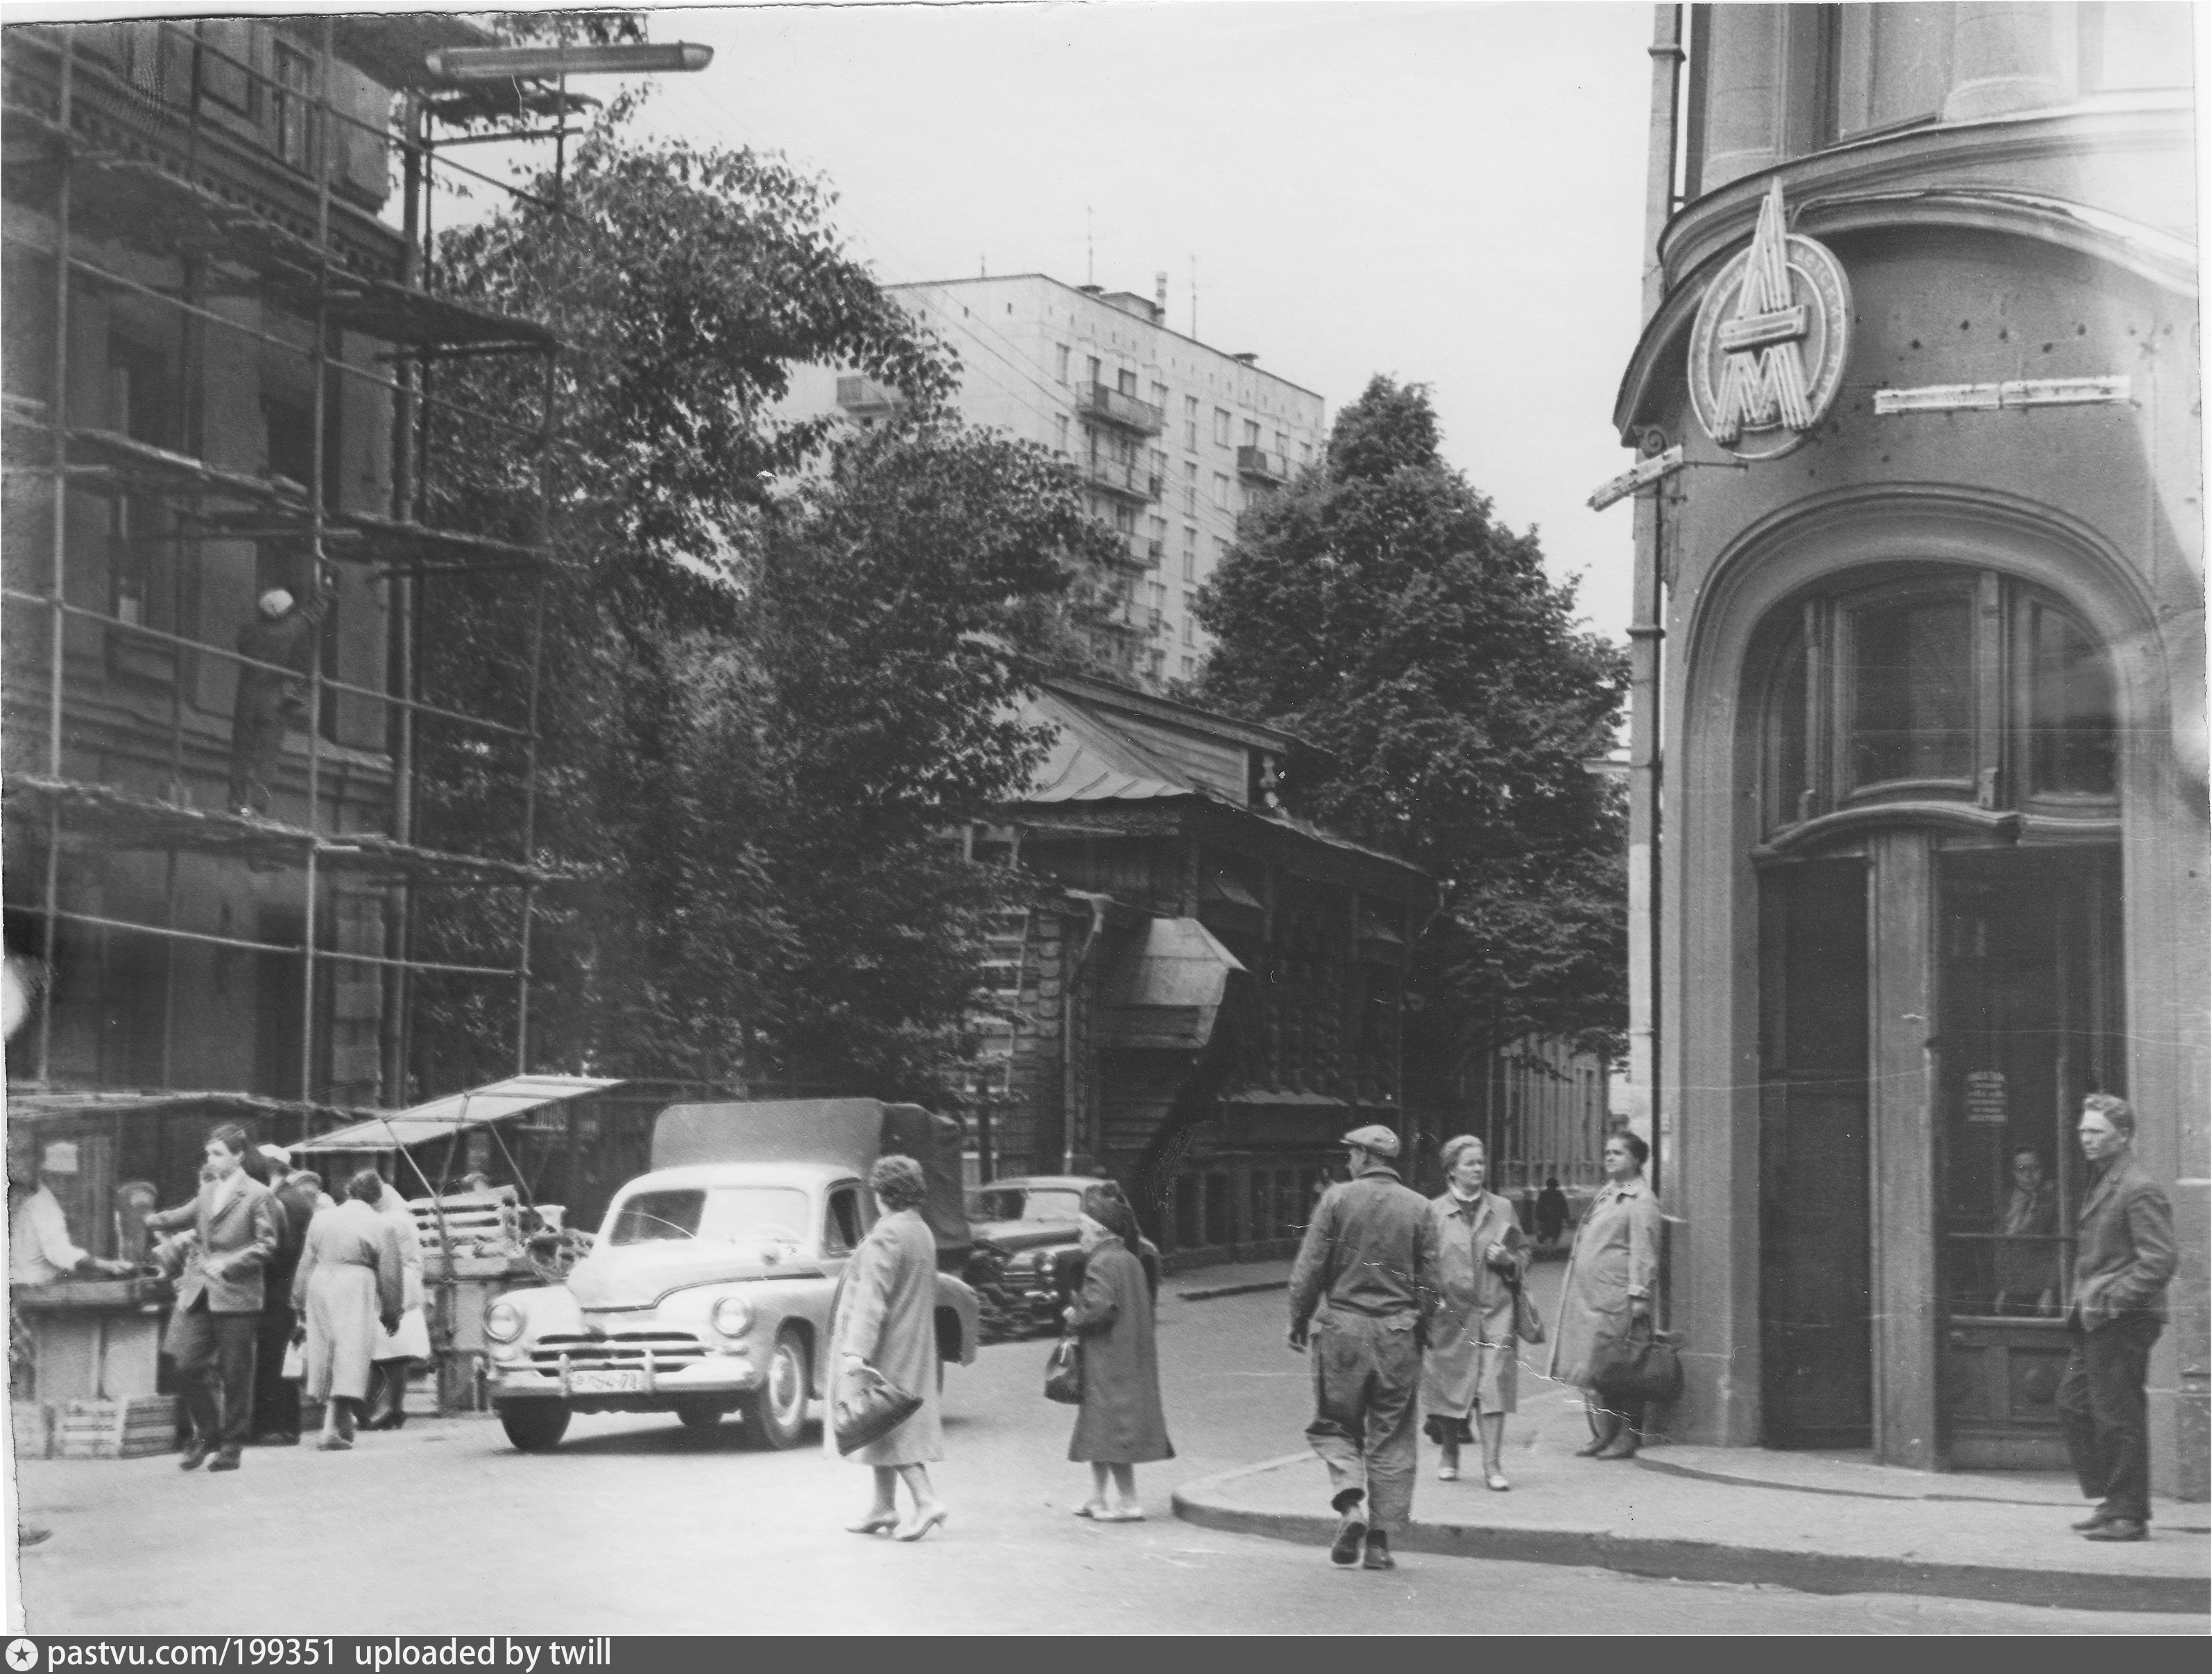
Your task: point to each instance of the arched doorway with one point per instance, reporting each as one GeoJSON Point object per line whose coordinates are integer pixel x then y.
{"type": "Point", "coordinates": [1937, 765]}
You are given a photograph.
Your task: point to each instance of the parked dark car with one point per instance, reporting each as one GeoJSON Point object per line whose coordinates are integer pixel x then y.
{"type": "Point", "coordinates": [1023, 1226]}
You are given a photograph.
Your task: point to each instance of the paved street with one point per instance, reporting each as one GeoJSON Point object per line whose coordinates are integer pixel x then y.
{"type": "Point", "coordinates": [634, 1526]}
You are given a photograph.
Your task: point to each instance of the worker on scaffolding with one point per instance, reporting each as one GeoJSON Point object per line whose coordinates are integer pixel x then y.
{"type": "Point", "coordinates": [282, 633]}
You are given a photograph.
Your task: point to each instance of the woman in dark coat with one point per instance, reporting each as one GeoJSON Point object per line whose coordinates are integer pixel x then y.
{"type": "Point", "coordinates": [886, 1317]}
{"type": "Point", "coordinates": [1119, 1425]}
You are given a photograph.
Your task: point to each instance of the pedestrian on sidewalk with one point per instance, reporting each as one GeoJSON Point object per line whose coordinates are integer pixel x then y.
{"type": "Point", "coordinates": [349, 1289]}
{"type": "Point", "coordinates": [217, 1317]}
{"type": "Point", "coordinates": [1551, 1212]}
{"type": "Point", "coordinates": [1606, 1293]}
{"type": "Point", "coordinates": [276, 1397]}
{"type": "Point", "coordinates": [1468, 1371]}
{"type": "Point", "coordinates": [1358, 1287]}
{"type": "Point", "coordinates": [1118, 1425]}
{"type": "Point", "coordinates": [399, 1348]}
{"type": "Point", "coordinates": [885, 1317]}
{"type": "Point", "coordinates": [2123, 1255]}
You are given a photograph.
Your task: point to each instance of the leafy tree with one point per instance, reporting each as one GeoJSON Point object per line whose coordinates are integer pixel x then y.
{"type": "Point", "coordinates": [1375, 609]}
{"type": "Point", "coordinates": [757, 702]}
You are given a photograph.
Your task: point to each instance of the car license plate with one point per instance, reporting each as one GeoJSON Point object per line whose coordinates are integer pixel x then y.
{"type": "Point", "coordinates": [607, 1383]}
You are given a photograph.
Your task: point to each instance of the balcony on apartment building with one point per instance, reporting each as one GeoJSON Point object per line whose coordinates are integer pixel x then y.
{"type": "Point", "coordinates": [1123, 479]}
{"type": "Point", "coordinates": [864, 398]}
{"type": "Point", "coordinates": [1106, 405]}
{"type": "Point", "coordinates": [1257, 465]}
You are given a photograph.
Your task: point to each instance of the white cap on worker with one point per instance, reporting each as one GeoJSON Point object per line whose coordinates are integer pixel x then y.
{"type": "Point", "coordinates": [275, 602]}
{"type": "Point", "coordinates": [277, 1154]}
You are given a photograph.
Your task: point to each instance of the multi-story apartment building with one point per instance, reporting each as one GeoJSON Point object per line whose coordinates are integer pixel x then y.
{"type": "Point", "coordinates": [1921, 633]}
{"type": "Point", "coordinates": [216, 356]}
{"type": "Point", "coordinates": [1174, 438]}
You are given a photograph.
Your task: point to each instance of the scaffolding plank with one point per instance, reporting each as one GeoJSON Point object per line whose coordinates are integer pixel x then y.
{"type": "Point", "coordinates": [115, 818]}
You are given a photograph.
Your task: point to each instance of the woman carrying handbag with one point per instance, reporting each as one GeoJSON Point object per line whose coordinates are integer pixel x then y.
{"type": "Point", "coordinates": [1469, 1371]}
{"type": "Point", "coordinates": [1119, 1424]}
{"type": "Point", "coordinates": [1605, 1300]}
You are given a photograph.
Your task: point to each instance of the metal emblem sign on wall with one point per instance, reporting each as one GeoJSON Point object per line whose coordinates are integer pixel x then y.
{"type": "Point", "coordinates": [1767, 351]}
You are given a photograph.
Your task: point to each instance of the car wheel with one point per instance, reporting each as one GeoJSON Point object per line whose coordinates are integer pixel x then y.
{"type": "Point", "coordinates": [697, 1415]}
{"type": "Point", "coordinates": [535, 1427]}
{"type": "Point", "coordinates": [776, 1412]}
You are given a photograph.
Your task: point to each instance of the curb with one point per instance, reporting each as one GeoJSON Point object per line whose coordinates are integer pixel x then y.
{"type": "Point", "coordinates": [1212, 1291]}
{"type": "Point", "coordinates": [1203, 1503]}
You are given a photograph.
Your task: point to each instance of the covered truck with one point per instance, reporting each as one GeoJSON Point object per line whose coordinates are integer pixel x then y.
{"type": "Point", "coordinates": [708, 1288]}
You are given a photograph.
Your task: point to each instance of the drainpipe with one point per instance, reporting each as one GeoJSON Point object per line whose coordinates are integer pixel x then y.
{"type": "Point", "coordinates": [1645, 634]}
{"type": "Point", "coordinates": [1067, 1064]}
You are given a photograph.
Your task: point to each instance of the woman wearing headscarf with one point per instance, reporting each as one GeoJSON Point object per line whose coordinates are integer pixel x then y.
{"type": "Point", "coordinates": [351, 1277]}
{"type": "Point", "coordinates": [1119, 1426]}
{"type": "Point", "coordinates": [398, 1349]}
{"type": "Point", "coordinates": [1611, 1272]}
{"type": "Point", "coordinates": [886, 1317]}
{"type": "Point", "coordinates": [1469, 1370]}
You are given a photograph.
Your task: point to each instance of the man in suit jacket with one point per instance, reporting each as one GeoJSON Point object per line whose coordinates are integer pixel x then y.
{"type": "Point", "coordinates": [2124, 1255]}
{"type": "Point", "coordinates": [218, 1308]}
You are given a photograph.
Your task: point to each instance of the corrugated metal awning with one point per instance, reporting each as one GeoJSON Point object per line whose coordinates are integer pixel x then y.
{"type": "Point", "coordinates": [518, 1095]}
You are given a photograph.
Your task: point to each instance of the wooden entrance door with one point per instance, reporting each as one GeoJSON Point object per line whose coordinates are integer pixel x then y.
{"type": "Point", "coordinates": [1815, 1283]}
{"type": "Point", "coordinates": [2026, 957]}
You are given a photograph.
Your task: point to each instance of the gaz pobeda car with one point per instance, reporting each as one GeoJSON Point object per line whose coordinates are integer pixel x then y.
{"type": "Point", "coordinates": [710, 1285]}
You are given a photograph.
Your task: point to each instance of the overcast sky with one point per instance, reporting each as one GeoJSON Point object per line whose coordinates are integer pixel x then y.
{"type": "Point", "coordinates": [1450, 193]}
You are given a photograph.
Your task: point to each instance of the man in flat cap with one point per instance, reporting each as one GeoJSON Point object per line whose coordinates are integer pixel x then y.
{"type": "Point", "coordinates": [281, 637]}
{"type": "Point", "coordinates": [1358, 1287]}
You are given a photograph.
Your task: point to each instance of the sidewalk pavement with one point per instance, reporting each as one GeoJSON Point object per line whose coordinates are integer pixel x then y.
{"type": "Point", "coordinates": [1818, 1522]}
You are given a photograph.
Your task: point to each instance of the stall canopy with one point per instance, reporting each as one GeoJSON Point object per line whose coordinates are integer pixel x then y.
{"type": "Point", "coordinates": [457, 1112]}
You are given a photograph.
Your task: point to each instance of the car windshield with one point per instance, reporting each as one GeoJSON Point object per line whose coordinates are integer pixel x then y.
{"type": "Point", "coordinates": [1025, 1203]}
{"type": "Point", "coordinates": [719, 1214]}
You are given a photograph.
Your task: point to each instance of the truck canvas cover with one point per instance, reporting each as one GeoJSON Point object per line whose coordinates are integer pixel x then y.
{"type": "Point", "coordinates": [852, 1132]}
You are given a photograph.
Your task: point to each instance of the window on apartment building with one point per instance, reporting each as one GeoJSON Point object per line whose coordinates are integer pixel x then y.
{"type": "Point", "coordinates": [141, 404]}
{"type": "Point", "coordinates": [1190, 668]}
{"type": "Point", "coordinates": [292, 127]}
{"type": "Point", "coordinates": [1190, 554]}
{"type": "Point", "coordinates": [1251, 433]}
{"type": "Point", "coordinates": [1221, 491]}
{"type": "Point", "coordinates": [1090, 368]}
{"type": "Point", "coordinates": [1060, 362]}
{"type": "Point", "coordinates": [1282, 444]}
{"type": "Point", "coordinates": [1305, 453]}
{"type": "Point", "coordinates": [1157, 529]}
{"type": "Point", "coordinates": [1221, 427]}
{"type": "Point", "coordinates": [1160, 463]}
{"type": "Point", "coordinates": [1190, 422]}
{"type": "Point", "coordinates": [1125, 520]}
{"type": "Point", "coordinates": [1189, 631]}
{"type": "Point", "coordinates": [1220, 551]}
{"type": "Point", "coordinates": [1126, 381]}
{"type": "Point", "coordinates": [1190, 602]}
{"type": "Point", "coordinates": [1190, 489]}
{"type": "Point", "coordinates": [1160, 397]}
{"type": "Point", "coordinates": [1059, 424]}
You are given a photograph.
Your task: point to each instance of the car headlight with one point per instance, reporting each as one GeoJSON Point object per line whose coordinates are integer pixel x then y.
{"type": "Point", "coordinates": [503, 1321]}
{"type": "Point", "coordinates": [732, 1316]}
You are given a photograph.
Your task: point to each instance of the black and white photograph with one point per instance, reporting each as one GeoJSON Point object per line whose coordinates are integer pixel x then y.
{"type": "Point", "coordinates": [1251, 819]}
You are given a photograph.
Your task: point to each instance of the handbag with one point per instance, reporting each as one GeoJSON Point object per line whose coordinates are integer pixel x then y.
{"type": "Point", "coordinates": [1063, 1373]}
{"type": "Point", "coordinates": [295, 1360]}
{"type": "Point", "coordinates": [869, 1406]}
{"type": "Point", "coordinates": [1527, 1324]}
{"type": "Point", "coordinates": [1639, 1366]}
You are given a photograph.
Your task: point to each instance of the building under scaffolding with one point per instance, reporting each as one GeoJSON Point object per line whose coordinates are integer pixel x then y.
{"type": "Point", "coordinates": [222, 377]}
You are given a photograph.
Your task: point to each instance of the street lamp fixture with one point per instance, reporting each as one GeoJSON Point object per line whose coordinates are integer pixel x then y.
{"type": "Point", "coordinates": [507, 63]}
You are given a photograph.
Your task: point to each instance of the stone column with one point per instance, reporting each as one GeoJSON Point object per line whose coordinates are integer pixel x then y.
{"type": "Point", "coordinates": [1742, 106]}
{"type": "Point", "coordinates": [2004, 56]}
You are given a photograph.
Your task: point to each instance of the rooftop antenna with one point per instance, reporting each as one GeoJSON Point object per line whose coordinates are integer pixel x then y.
{"type": "Point", "coordinates": [1090, 250]}
{"type": "Point", "coordinates": [983, 268]}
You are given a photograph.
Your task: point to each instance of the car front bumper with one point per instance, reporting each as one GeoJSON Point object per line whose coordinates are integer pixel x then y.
{"type": "Point", "coordinates": [646, 1387]}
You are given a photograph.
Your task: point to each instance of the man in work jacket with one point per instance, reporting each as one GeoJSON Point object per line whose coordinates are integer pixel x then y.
{"type": "Point", "coordinates": [1358, 1286]}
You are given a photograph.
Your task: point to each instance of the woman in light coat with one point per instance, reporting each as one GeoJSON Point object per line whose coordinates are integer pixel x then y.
{"type": "Point", "coordinates": [886, 1317]}
{"type": "Point", "coordinates": [1118, 1425]}
{"type": "Point", "coordinates": [1611, 1274]}
{"type": "Point", "coordinates": [350, 1277]}
{"type": "Point", "coordinates": [1469, 1370]}
{"type": "Point", "coordinates": [398, 1350]}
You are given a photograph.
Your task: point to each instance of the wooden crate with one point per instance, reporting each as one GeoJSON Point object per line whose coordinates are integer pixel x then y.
{"type": "Point", "coordinates": [117, 1429]}
{"type": "Point", "coordinates": [31, 1426]}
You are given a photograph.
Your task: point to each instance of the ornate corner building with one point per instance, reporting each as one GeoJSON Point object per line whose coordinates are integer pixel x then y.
{"type": "Point", "coordinates": [1919, 835]}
